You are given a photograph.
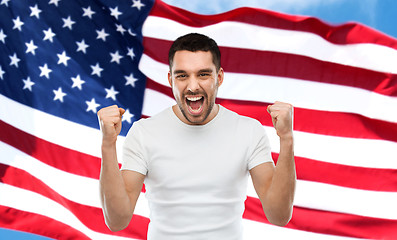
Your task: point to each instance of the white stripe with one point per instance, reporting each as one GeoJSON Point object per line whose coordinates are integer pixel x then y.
{"type": "Point", "coordinates": [300, 93]}
{"type": "Point", "coordinates": [259, 231]}
{"type": "Point", "coordinates": [327, 197]}
{"type": "Point", "coordinates": [160, 101]}
{"type": "Point", "coordinates": [356, 152]}
{"type": "Point", "coordinates": [53, 129]}
{"type": "Point", "coordinates": [309, 95]}
{"type": "Point", "coordinates": [346, 151]}
{"type": "Point", "coordinates": [32, 202]}
{"type": "Point", "coordinates": [248, 36]}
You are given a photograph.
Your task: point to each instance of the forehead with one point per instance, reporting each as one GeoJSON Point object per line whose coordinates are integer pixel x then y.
{"type": "Point", "coordinates": [191, 61]}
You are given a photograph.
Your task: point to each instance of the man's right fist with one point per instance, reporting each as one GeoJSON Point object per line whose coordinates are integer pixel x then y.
{"type": "Point", "coordinates": [110, 123]}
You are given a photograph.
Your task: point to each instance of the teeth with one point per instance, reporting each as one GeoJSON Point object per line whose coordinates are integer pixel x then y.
{"type": "Point", "coordinates": [193, 99]}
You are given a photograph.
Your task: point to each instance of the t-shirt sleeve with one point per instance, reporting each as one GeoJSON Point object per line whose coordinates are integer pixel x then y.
{"type": "Point", "coordinates": [261, 152]}
{"type": "Point", "coordinates": [133, 154]}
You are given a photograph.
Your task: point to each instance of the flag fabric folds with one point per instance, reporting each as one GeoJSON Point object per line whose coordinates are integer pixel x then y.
{"type": "Point", "coordinates": [61, 61]}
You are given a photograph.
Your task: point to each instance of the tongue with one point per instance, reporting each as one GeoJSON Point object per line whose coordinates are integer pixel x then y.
{"type": "Point", "coordinates": [195, 105]}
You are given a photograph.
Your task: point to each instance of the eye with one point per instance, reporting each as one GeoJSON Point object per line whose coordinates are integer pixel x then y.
{"type": "Point", "coordinates": [181, 76]}
{"type": "Point", "coordinates": [204, 75]}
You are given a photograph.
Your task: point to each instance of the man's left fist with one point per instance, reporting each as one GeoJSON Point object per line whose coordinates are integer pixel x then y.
{"type": "Point", "coordinates": [282, 117]}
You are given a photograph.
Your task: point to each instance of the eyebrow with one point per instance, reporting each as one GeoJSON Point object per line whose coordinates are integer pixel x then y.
{"type": "Point", "coordinates": [206, 70]}
{"type": "Point", "coordinates": [179, 71]}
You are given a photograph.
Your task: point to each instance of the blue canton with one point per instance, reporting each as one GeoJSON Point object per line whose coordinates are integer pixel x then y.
{"type": "Point", "coordinates": [70, 58]}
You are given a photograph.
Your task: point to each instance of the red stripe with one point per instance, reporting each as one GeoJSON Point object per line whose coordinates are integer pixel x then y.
{"type": "Point", "coordinates": [329, 123]}
{"type": "Point", "coordinates": [38, 224]}
{"type": "Point", "coordinates": [54, 155]}
{"type": "Point", "coordinates": [343, 34]}
{"type": "Point", "coordinates": [372, 179]}
{"type": "Point", "coordinates": [289, 66]}
{"type": "Point", "coordinates": [91, 217]}
{"type": "Point", "coordinates": [306, 120]}
{"type": "Point", "coordinates": [331, 223]}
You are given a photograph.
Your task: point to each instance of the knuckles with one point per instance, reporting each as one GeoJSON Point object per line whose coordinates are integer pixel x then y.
{"type": "Point", "coordinates": [108, 112]}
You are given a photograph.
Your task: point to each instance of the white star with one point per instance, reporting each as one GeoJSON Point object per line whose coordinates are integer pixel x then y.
{"type": "Point", "coordinates": [31, 47]}
{"type": "Point", "coordinates": [131, 53]}
{"type": "Point", "coordinates": [1, 73]}
{"type": "Point", "coordinates": [5, 2]}
{"type": "Point", "coordinates": [68, 22]}
{"type": "Point", "coordinates": [127, 116]}
{"type": "Point", "coordinates": [35, 11]}
{"type": "Point", "coordinates": [82, 46]}
{"type": "Point", "coordinates": [77, 82]}
{"type": "Point", "coordinates": [88, 12]}
{"type": "Point", "coordinates": [102, 34]}
{"type": "Point", "coordinates": [48, 35]}
{"type": "Point", "coordinates": [120, 29]}
{"type": "Point", "coordinates": [45, 71]}
{"type": "Point", "coordinates": [137, 4]}
{"type": "Point", "coordinates": [2, 36]}
{"type": "Point", "coordinates": [111, 93]}
{"type": "Point", "coordinates": [116, 57]}
{"type": "Point", "coordinates": [59, 94]}
{"type": "Point", "coordinates": [96, 70]}
{"type": "Point", "coordinates": [55, 2]}
{"type": "Point", "coordinates": [63, 58]}
{"type": "Point", "coordinates": [92, 105]}
{"type": "Point", "coordinates": [17, 24]}
{"type": "Point", "coordinates": [115, 12]}
{"type": "Point", "coordinates": [130, 80]}
{"type": "Point", "coordinates": [27, 84]}
{"type": "Point", "coordinates": [14, 60]}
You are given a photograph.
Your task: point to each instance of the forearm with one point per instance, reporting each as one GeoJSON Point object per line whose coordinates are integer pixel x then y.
{"type": "Point", "coordinates": [114, 197]}
{"type": "Point", "coordinates": [280, 197]}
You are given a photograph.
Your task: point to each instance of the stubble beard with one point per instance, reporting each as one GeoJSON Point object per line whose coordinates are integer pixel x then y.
{"type": "Point", "coordinates": [210, 103]}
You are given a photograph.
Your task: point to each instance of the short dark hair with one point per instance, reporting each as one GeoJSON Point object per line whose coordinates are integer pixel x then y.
{"type": "Point", "coordinates": [196, 42]}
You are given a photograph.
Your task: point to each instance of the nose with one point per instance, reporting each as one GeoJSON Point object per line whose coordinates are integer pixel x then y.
{"type": "Point", "coordinates": [193, 84]}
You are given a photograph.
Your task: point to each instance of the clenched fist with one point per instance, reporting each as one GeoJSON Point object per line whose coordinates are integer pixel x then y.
{"type": "Point", "coordinates": [110, 123]}
{"type": "Point", "coordinates": [282, 118]}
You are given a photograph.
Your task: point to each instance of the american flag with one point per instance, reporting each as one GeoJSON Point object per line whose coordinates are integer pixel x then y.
{"type": "Point", "coordinates": [61, 61]}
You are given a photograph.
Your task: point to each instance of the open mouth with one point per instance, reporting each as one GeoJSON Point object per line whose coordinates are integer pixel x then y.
{"type": "Point", "coordinates": [195, 104]}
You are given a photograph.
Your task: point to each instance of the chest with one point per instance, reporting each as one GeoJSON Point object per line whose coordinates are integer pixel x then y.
{"type": "Point", "coordinates": [206, 163]}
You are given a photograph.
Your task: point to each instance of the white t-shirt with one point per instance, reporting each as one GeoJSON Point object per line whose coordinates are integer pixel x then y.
{"type": "Point", "coordinates": [196, 176]}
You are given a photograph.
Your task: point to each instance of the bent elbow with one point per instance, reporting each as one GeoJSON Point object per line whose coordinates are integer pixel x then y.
{"type": "Point", "coordinates": [282, 218]}
{"type": "Point", "coordinates": [116, 226]}
{"type": "Point", "coordinates": [281, 222]}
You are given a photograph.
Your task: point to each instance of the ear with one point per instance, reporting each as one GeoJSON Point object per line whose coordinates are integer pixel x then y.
{"type": "Point", "coordinates": [170, 78]}
{"type": "Point", "coordinates": [220, 76]}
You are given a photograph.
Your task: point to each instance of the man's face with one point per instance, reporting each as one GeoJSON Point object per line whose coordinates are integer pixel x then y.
{"type": "Point", "coordinates": [195, 81]}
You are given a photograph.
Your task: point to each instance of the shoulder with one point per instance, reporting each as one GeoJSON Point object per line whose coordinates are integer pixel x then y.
{"type": "Point", "coordinates": [150, 124]}
{"type": "Point", "coordinates": [230, 115]}
{"type": "Point", "coordinates": [161, 117]}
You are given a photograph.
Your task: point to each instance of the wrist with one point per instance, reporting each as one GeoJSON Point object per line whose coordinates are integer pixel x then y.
{"type": "Point", "coordinates": [287, 138]}
{"type": "Point", "coordinates": [108, 144]}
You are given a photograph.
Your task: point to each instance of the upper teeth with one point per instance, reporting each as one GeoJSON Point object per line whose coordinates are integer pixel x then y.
{"type": "Point", "coordinates": [192, 99]}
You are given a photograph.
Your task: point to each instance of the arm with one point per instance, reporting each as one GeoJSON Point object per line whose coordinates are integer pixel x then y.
{"type": "Point", "coordinates": [275, 186]}
{"type": "Point", "coordinates": [119, 190]}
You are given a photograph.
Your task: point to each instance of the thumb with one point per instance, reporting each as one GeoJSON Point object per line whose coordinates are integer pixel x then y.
{"type": "Point", "coordinates": [122, 111]}
{"type": "Point", "coordinates": [268, 108]}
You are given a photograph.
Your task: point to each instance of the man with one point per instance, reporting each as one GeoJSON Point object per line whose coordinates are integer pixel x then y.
{"type": "Point", "coordinates": [196, 156]}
